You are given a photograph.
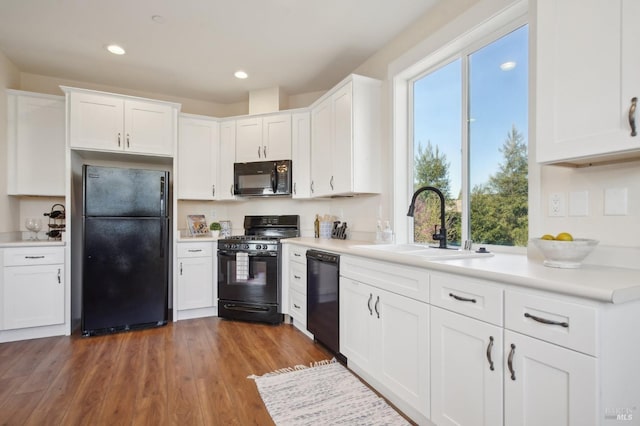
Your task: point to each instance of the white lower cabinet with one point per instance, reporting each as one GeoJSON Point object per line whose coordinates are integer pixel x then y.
{"type": "Point", "coordinates": [466, 370]}
{"type": "Point", "coordinates": [547, 385]}
{"type": "Point", "coordinates": [385, 339]}
{"type": "Point", "coordinates": [33, 296]}
{"type": "Point", "coordinates": [33, 288]}
{"type": "Point", "coordinates": [197, 287]}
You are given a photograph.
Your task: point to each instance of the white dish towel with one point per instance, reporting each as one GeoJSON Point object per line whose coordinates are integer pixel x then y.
{"type": "Point", "coordinates": [242, 266]}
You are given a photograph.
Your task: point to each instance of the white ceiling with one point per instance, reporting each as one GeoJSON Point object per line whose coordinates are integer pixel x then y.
{"type": "Point", "coordinates": [299, 45]}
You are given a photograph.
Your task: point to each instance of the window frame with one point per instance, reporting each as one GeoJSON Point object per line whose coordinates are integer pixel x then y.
{"type": "Point", "coordinates": [470, 41]}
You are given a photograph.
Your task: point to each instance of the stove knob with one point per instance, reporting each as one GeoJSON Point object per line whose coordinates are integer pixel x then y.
{"type": "Point", "coordinates": [234, 246]}
{"type": "Point", "coordinates": [246, 247]}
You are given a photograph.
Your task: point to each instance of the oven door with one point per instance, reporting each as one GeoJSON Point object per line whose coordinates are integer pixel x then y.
{"type": "Point", "coordinates": [256, 284]}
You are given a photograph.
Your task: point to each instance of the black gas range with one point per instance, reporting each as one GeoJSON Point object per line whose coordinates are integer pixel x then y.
{"type": "Point", "coordinates": [249, 265]}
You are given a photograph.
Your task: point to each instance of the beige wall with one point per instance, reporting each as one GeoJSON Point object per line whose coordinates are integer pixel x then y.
{"type": "Point", "coordinates": [9, 208]}
{"type": "Point", "coordinates": [50, 85]}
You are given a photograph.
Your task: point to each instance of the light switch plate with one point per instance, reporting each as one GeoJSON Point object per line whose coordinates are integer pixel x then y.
{"type": "Point", "coordinates": [579, 203]}
{"type": "Point", "coordinates": [615, 202]}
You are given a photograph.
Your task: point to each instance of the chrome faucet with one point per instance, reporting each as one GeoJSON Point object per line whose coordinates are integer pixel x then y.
{"type": "Point", "coordinates": [438, 236]}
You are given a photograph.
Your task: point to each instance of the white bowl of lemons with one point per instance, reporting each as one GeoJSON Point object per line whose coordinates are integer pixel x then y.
{"type": "Point", "coordinates": [564, 251]}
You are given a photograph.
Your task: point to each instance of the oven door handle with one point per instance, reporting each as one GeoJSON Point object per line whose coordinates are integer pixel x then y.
{"type": "Point", "coordinates": [233, 254]}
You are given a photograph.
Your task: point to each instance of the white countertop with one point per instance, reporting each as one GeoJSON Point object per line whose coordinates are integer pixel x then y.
{"type": "Point", "coordinates": [601, 283]}
{"type": "Point", "coordinates": [30, 243]}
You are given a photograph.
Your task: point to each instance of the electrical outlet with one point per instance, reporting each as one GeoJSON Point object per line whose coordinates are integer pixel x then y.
{"type": "Point", "coordinates": [557, 204]}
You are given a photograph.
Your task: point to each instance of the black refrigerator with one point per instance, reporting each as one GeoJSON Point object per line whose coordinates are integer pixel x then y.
{"type": "Point", "coordinates": [125, 271]}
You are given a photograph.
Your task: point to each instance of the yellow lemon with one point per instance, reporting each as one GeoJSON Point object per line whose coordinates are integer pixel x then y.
{"type": "Point", "coordinates": [547, 237]}
{"type": "Point", "coordinates": [564, 236]}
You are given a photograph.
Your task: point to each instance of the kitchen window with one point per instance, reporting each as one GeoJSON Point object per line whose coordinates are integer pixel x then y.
{"type": "Point", "coordinates": [468, 136]}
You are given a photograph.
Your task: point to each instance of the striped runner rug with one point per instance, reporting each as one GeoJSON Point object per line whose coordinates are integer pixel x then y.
{"type": "Point", "coordinates": [325, 393]}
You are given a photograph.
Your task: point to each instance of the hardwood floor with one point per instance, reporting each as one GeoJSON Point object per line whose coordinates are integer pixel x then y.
{"type": "Point", "coordinates": [189, 373]}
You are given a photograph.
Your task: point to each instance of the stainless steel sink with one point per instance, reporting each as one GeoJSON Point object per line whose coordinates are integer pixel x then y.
{"type": "Point", "coordinates": [423, 251]}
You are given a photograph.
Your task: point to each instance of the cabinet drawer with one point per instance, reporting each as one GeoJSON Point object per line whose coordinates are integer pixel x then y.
{"type": "Point", "coordinates": [298, 306]}
{"type": "Point", "coordinates": [298, 254]}
{"type": "Point", "coordinates": [298, 277]}
{"type": "Point", "coordinates": [571, 325]}
{"type": "Point", "coordinates": [195, 249]}
{"type": "Point", "coordinates": [403, 280]}
{"type": "Point", "coordinates": [24, 256]}
{"type": "Point", "coordinates": [474, 298]}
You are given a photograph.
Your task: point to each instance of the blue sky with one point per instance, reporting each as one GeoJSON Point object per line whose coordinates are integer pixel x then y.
{"type": "Point", "coordinates": [497, 100]}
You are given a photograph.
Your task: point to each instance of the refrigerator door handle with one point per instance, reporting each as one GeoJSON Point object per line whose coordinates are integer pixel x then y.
{"type": "Point", "coordinates": [162, 185]}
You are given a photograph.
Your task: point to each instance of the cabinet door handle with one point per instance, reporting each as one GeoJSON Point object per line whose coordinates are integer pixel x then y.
{"type": "Point", "coordinates": [213, 190]}
{"type": "Point", "coordinates": [369, 304]}
{"type": "Point", "coordinates": [128, 144]}
{"type": "Point", "coordinates": [59, 279]}
{"type": "Point", "coordinates": [34, 257]}
{"type": "Point", "coordinates": [297, 277]}
{"type": "Point", "coordinates": [119, 142]}
{"type": "Point", "coordinates": [462, 299]}
{"type": "Point", "coordinates": [546, 321]}
{"type": "Point", "coordinates": [259, 156]}
{"type": "Point", "coordinates": [294, 188]}
{"type": "Point", "coordinates": [510, 361]}
{"type": "Point", "coordinates": [296, 306]}
{"type": "Point", "coordinates": [312, 187]}
{"type": "Point", "coordinates": [264, 151]}
{"type": "Point", "coordinates": [632, 116]}
{"type": "Point", "coordinates": [297, 254]}
{"type": "Point", "coordinates": [376, 306]}
{"type": "Point", "coordinates": [331, 183]}
{"type": "Point", "coordinates": [180, 268]}
{"type": "Point", "coordinates": [489, 349]}
{"type": "Point", "coordinates": [231, 189]}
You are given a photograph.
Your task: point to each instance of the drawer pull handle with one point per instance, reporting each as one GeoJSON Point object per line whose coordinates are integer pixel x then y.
{"type": "Point", "coordinates": [59, 280]}
{"type": "Point", "coordinates": [632, 116]}
{"type": "Point", "coordinates": [369, 304]}
{"type": "Point", "coordinates": [297, 277]}
{"type": "Point", "coordinates": [296, 306]}
{"type": "Point", "coordinates": [462, 299]}
{"type": "Point", "coordinates": [194, 250]}
{"type": "Point", "coordinates": [546, 321]}
{"type": "Point", "coordinates": [180, 268]}
{"type": "Point", "coordinates": [297, 254]}
{"type": "Point", "coordinates": [510, 362]}
{"type": "Point", "coordinates": [376, 306]}
{"type": "Point", "coordinates": [489, 349]}
{"type": "Point", "coordinates": [34, 257]}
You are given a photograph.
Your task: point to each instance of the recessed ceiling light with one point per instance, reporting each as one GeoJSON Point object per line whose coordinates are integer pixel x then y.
{"type": "Point", "coordinates": [115, 49]}
{"type": "Point", "coordinates": [507, 66]}
{"type": "Point", "coordinates": [241, 74]}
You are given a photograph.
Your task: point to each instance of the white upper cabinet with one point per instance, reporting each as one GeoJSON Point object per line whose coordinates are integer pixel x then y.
{"type": "Point", "coordinates": [586, 77]}
{"type": "Point", "coordinates": [345, 139]}
{"type": "Point", "coordinates": [263, 138]}
{"type": "Point", "coordinates": [36, 144]}
{"type": "Point", "coordinates": [198, 145]}
{"type": "Point", "coordinates": [224, 187]}
{"type": "Point", "coordinates": [105, 122]}
{"type": "Point", "coordinates": [301, 154]}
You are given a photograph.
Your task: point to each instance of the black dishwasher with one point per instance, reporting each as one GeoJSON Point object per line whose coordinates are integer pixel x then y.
{"type": "Point", "coordinates": [323, 275]}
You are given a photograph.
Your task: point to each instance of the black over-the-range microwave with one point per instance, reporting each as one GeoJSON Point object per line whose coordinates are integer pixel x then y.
{"type": "Point", "coordinates": [262, 178]}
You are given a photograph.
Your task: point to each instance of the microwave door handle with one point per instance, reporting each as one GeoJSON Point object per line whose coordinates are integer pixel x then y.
{"type": "Point", "coordinates": [274, 179]}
